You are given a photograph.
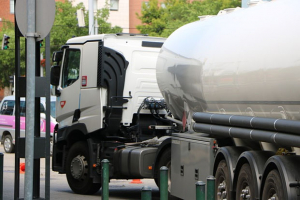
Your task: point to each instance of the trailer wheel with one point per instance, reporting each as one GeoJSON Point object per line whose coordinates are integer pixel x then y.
{"type": "Point", "coordinates": [8, 145]}
{"type": "Point", "coordinates": [273, 188]}
{"type": "Point", "coordinates": [222, 181]}
{"type": "Point", "coordinates": [245, 186]}
{"type": "Point", "coordinates": [77, 170]}
{"type": "Point", "coordinates": [164, 160]}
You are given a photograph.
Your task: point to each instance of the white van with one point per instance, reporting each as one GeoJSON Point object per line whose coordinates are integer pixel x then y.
{"type": "Point", "coordinates": [7, 120]}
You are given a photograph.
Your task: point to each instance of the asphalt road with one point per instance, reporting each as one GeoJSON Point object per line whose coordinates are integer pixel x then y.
{"type": "Point", "coordinates": [59, 189]}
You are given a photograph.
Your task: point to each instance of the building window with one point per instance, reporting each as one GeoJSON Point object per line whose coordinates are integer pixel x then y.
{"type": "Point", "coordinates": [12, 6]}
{"type": "Point", "coordinates": [114, 4]}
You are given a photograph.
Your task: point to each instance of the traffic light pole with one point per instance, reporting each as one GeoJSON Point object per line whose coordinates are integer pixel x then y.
{"type": "Point", "coordinates": [30, 100]}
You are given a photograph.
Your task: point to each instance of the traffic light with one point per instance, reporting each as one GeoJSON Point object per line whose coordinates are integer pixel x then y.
{"type": "Point", "coordinates": [5, 42]}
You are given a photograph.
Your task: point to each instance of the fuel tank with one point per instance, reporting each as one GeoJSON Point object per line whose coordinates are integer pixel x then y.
{"type": "Point", "coordinates": [246, 62]}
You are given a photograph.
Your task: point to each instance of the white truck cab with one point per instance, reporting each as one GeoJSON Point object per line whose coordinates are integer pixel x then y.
{"type": "Point", "coordinates": [107, 97]}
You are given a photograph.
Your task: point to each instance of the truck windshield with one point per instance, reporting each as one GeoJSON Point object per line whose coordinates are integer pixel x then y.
{"type": "Point", "coordinates": [70, 67]}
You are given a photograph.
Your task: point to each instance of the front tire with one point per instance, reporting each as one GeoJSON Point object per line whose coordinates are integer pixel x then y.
{"type": "Point", "coordinates": [8, 145]}
{"type": "Point", "coordinates": [77, 170]}
{"type": "Point", "coordinates": [273, 188]}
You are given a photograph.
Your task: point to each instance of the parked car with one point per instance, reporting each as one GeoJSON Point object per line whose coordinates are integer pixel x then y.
{"type": "Point", "coordinates": [7, 120]}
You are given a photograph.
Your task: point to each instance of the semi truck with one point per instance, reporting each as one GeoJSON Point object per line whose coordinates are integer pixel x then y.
{"type": "Point", "coordinates": [232, 79]}
{"type": "Point", "coordinates": [109, 107]}
{"type": "Point", "coordinates": [221, 101]}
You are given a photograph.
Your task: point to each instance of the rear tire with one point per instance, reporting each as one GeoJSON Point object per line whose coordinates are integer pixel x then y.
{"type": "Point", "coordinates": [273, 186]}
{"type": "Point", "coordinates": [245, 184]}
{"type": "Point", "coordinates": [77, 170]}
{"type": "Point", "coordinates": [164, 160]}
{"type": "Point", "coordinates": [8, 145]}
{"type": "Point", "coordinates": [222, 181]}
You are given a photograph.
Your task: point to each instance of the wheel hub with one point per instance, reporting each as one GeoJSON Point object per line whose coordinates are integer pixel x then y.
{"type": "Point", "coordinates": [222, 194]}
{"type": "Point", "coordinates": [7, 144]}
{"type": "Point", "coordinates": [274, 197]}
{"type": "Point", "coordinates": [79, 167]}
{"type": "Point", "coordinates": [245, 195]}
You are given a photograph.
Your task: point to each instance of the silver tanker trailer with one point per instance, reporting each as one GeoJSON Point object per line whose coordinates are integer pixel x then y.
{"type": "Point", "coordinates": [233, 80]}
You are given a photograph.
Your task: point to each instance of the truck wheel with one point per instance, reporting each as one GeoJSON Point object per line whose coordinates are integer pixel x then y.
{"type": "Point", "coordinates": [164, 160]}
{"type": "Point", "coordinates": [77, 170]}
{"type": "Point", "coordinates": [273, 188]}
{"type": "Point", "coordinates": [245, 185]}
{"type": "Point", "coordinates": [8, 145]}
{"type": "Point", "coordinates": [222, 181]}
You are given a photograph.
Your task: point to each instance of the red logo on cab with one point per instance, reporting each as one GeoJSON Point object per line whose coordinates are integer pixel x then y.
{"type": "Point", "coordinates": [62, 104]}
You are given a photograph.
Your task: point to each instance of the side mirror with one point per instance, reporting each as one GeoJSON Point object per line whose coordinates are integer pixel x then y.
{"type": "Point", "coordinates": [55, 72]}
{"type": "Point", "coordinates": [57, 56]}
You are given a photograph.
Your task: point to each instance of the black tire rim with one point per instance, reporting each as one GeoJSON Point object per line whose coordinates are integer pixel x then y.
{"type": "Point", "coordinates": [79, 167]}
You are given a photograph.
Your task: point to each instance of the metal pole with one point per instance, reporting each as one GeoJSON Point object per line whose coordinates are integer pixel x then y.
{"type": "Point", "coordinates": [17, 110]}
{"type": "Point", "coordinates": [1, 176]}
{"type": "Point", "coordinates": [211, 188]}
{"type": "Point", "coordinates": [200, 190]}
{"type": "Point", "coordinates": [95, 13]}
{"type": "Point", "coordinates": [91, 17]}
{"type": "Point", "coordinates": [30, 99]}
{"type": "Point", "coordinates": [146, 193]}
{"type": "Point", "coordinates": [48, 108]}
{"type": "Point", "coordinates": [37, 129]}
{"type": "Point", "coordinates": [163, 187]}
{"type": "Point", "coordinates": [105, 179]}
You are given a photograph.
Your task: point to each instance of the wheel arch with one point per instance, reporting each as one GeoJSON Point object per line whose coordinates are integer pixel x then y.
{"type": "Point", "coordinates": [256, 161]}
{"type": "Point", "coordinates": [5, 133]}
{"type": "Point", "coordinates": [288, 168]}
{"type": "Point", "coordinates": [230, 155]}
{"type": "Point", "coordinates": [75, 133]}
{"type": "Point", "coordinates": [161, 149]}
{"type": "Point", "coordinates": [66, 137]}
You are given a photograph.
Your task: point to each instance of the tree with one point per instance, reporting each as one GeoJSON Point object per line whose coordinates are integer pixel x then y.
{"type": "Point", "coordinates": [65, 23]}
{"type": "Point", "coordinates": [7, 61]}
{"type": "Point", "coordinates": [64, 28]}
{"type": "Point", "coordinates": [163, 19]}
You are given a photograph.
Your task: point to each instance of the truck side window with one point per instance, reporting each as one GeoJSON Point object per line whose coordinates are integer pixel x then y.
{"type": "Point", "coordinates": [7, 108]}
{"type": "Point", "coordinates": [70, 67]}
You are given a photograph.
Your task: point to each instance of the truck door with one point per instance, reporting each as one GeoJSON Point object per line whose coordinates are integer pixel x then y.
{"type": "Point", "coordinates": [69, 86]}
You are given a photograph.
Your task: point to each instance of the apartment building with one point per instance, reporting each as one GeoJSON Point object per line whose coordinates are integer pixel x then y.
{"type": "Point", "coordinates": [122, 12]}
